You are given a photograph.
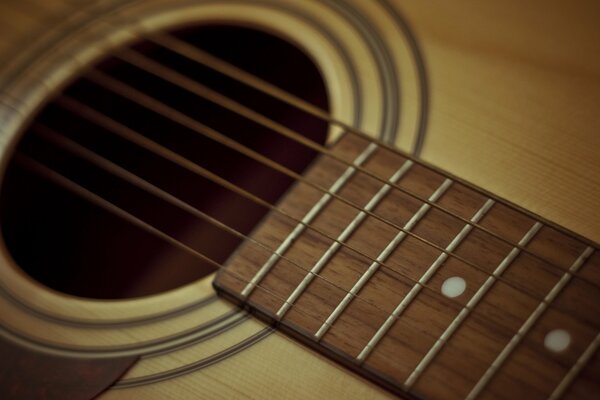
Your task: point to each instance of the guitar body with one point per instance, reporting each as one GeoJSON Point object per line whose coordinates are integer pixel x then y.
{"type": "Point", "coordinates": [502, 94]}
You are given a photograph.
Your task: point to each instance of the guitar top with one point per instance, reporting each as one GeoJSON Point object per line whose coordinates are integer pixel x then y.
{"type": "Point", "coordinates": [299, 199]}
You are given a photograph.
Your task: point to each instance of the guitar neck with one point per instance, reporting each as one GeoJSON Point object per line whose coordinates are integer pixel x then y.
{"type": "Point", "coordinates": [421, 282]}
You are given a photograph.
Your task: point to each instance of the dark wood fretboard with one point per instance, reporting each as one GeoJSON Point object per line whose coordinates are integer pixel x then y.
{"type": "Point", "coordinates": [423, 283]}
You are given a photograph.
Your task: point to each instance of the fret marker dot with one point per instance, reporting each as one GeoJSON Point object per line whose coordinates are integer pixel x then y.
{"type": "Point", "coordinates": [557, 340]}
{"type": "Point", "coordinates": [454, 286]}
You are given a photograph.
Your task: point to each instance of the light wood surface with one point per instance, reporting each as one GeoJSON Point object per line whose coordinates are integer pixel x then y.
{"type": "Point", "coordinates": [512, 96]}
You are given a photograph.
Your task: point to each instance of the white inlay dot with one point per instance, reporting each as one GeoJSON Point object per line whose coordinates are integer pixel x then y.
{"type": "Point", "coordinates": [454, 286]}
{"type": "Point", "coordinates": [557, 340]}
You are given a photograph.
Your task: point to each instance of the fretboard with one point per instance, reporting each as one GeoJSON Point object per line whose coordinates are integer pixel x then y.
{"type": "Point", "coordinates": [423, 283]}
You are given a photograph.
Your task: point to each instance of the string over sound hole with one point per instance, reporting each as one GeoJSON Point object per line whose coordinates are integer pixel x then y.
{"type": "Point", "coordinates": [76, 247]}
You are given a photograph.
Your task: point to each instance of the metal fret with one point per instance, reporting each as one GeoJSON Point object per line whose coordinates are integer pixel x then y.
{"type": "Point", "coordinates": [358, 219]}
{"type": "Point", "coordinates": [574, 371]}
{"type": "Point", "coordinates": [419, 285]}
{"type": "Point", "coordinates": [470, 305]}
{"type": "Point", "coordinates": [528, 324]}
{"type": "Point", "coordinates": [308, 218]}
{"type": "Point", "coordinates": [381, 258]}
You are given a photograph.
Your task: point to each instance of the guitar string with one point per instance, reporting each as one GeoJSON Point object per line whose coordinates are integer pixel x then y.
{"type": "Point", "coordinates": [60, 180]}
{"type": "Point", "coordinates": [192, 86]}
{"type": "Point", "coordinates": [84, 153]}
{"type": "Point", "coordinates": [203, 58]}
{"type": "Point", "coordinates": [170, 113]}
{"type": "Point", "coordinates": [99, 161]}
{"type": "Point", "coordinates": [113, 126]}
{"type": "Point", "coordinates": [193, 53]}
{"type": "Point", "coordinates": [160, 108]}
{"type": "Point", "coordinates": [51, 175]}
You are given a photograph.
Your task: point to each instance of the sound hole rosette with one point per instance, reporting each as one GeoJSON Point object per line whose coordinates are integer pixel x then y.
{"type": "Point", "coordinates": [89, 34]}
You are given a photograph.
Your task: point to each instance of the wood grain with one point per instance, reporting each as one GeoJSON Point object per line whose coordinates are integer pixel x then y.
{"type": "Point", "coordinates": [513, 93]}
{"type": "Point", "coordinates": [472, 346]}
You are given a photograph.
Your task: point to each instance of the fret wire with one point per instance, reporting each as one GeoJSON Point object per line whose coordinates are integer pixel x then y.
{"type": "Point", "coordinates": [394, 243]}
{"type": "Point", "coordinates": [308, 218]}
{"type": "Point", "coordinates": [389, 322]}
{"type": "Point", "coordinates": [528, 324]}
{"type": "Point", "coordinates": [576, 369]}
{"type": "Point", "coordinates": [126, 133]}
{"type": "Point", "coordinates": [201, 57]}
{"type": "Point", "coordinates": [410, 381]}
{"type": "Point", "coordinates": [153, 104]}
{"type": "Point", "coordinates": [343, 236]}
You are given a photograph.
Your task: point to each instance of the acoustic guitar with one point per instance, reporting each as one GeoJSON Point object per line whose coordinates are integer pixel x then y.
{"type": "Point", "coordinates": [299, 199]}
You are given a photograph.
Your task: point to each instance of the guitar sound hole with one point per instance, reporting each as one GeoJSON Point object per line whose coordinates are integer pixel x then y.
{"type": "Point", "coordinates": [75, 247]}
